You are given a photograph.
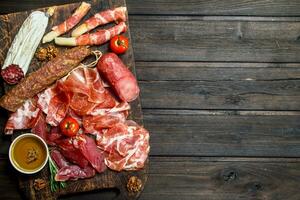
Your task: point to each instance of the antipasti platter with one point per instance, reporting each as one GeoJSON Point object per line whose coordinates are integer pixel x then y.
{"type": "Point", "coordinates": [73, 100]}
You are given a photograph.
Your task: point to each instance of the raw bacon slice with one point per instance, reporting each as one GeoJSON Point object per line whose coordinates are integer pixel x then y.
{"type": "Point", "coordinates": [72, 154]}
{"type": "Point", "coordinates": [24, 118]}
{"type": "Point", "coordinates": [89, 149]}
{"type": "Point", "coordinates": [127, 146]}
{"type": "Point", "coordinates": [119, 76]}
{"type": "Point", "coordinates": [58, 158]}
{"type": "Point", "coordinates": [97, 38]}
{"type": "Point", "coordinates": [67, 25]}
{"type": "Point", "coordinates": [101, 18]}
{"type": "Point", "coordinates": [74, 172]}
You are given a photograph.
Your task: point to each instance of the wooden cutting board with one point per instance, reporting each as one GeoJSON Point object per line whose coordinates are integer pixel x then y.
{"type": "Point", "coordinates": [9, 26]}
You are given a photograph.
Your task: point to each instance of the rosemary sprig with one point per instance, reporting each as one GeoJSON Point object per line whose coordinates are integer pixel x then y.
{"type": "Point", "coordinates": [54, 185]}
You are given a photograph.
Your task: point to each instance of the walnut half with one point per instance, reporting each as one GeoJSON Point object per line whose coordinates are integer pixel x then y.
{"type": "Point", "coordinates": [39, 184]}
{"type": "Point", "coordinates": [134, 184]}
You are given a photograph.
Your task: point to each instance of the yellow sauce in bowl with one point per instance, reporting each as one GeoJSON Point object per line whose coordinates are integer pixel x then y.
{"type": "Point", "coordinates": [28, 153]}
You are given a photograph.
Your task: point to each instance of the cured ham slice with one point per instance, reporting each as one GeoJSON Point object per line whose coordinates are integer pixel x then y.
{"type": "Point", "coordinates": [53, 136]}
{"type": "Point", "coordinates": [24, 118]}
{"type": "Point", "coordinates": [58, 158]}
{"type": "Point", "coordinates": [55, 103]}
{"type": "Point", "coordinates": [71, 153]}
{"type": "Point", "coordinates": [101, 18]}
{"type": "Point", "coordinates": [97, 38]}
{"type": "Point", "coordinates": [127, 145]}
{"type": "Point", "coordinates": [119, 76]}
{"type": "Point", "coordinates": [67, 25]}
{"type": "Point", "coordinates": [74, 172]}
{"type": "Point", "coordinates": [91, 152]}
{"type": "Point", "coordinates": [93, 124]}
{"type": "Point", "coordinates": [67, 171]}
{"type": "Point", "coordinates": [102, 118]}
{"type": "Point", "coordinates": [40, 127]}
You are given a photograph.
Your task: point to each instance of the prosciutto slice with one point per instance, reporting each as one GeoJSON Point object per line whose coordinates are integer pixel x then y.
{"type": "Point", "coordinates": [24, 118]}
{"type": "Point", "coordinates": [127, 145]}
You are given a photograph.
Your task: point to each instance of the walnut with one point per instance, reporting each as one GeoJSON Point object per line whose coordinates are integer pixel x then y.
{"type": "Point", "coordinates": [39, 184]}
{"type": "Point", "coordinates": [134, 184]}
{"type": "Point", "coordinates": [46, 53]}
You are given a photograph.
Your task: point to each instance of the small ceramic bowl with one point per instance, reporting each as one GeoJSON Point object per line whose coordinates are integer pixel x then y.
{"type": "Point", "coordinates": [23, 142]}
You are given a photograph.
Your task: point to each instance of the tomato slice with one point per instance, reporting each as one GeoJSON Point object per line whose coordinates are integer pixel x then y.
{"type": "Point", "coordinates": [69, 126]}
{"type": "Point", "coordinates": [119, 44]}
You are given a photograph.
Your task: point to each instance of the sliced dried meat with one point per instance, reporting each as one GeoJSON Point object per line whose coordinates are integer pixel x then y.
{"type": "Point", "coordinates": [54, 136]}
{"type": "Point", "coordinates": [127, 146]}
{"type": "Point", "coordinates": [91, 152]}
{"type": "Point", "coordinates": [24, 118]}
{"type": "Point", "coordinates": [74, 172]}
{"type": "Point", "coordinates": [94, 124]}
{"type": "Point", "coordinates": [71, 153]}
{"type": "Point", "coordinates": [59, 159]}
{"type": "Point", "coordinates": [86, 81]}
{"type": "Point", "coordinates": [40, 128]}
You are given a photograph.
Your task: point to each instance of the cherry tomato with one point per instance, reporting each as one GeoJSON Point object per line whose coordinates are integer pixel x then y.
{"type": "Point", "coordinates": [69, 126]}
{"type": "Point", "coordinates": [119, 44]}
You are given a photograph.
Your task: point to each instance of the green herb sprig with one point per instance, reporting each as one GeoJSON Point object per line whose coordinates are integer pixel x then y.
{"type": "Point", "coordinates": [54, 185]}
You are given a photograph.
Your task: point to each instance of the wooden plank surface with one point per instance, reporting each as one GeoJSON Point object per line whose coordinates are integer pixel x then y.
{"type": "Point", "coordinates": [182, 7]}
{"type": "Point", "coordinates": [223, 133]}
{"type": "Point", "coordinates": [206, 178]}
{"type": "Point", "coordinates": [234, 179]}
{"type": "Point", "coordinates": [246, 95]}
{"type": "Point", "coordinates": [182, 38]}
{"type": "Point", "coordinates": [215, 7]}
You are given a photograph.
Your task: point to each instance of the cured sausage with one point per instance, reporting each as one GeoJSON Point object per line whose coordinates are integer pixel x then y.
{"type": "Point", "coordinates": [37, 81]}
{"type": "Point", "coordinates": [119, 76]}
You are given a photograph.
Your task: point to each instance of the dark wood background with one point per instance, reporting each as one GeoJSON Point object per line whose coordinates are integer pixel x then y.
{"type": "Point", "coordinates": [220, 84]}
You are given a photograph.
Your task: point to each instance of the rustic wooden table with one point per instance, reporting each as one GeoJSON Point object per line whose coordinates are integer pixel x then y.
{"type": "Point", "coordinates": [220, 84]}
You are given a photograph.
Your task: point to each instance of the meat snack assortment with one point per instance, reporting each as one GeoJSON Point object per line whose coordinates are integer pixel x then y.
{"type": "Point", "coordinates": [81, 111]}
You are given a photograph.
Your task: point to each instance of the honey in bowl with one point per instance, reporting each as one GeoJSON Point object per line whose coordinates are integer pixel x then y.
{"type": "Point", "coordinates": [28, 153]}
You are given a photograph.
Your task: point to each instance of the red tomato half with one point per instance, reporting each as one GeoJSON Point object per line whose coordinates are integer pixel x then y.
{"type": "Point", "coordinates": [69, 126]}
{"type": "Point", "coordinates": [119, 44]}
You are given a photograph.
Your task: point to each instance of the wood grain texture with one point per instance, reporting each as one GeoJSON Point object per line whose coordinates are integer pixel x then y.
{"type": "Point", "coordinates": [109, 179]}
{"type": "Point", "coordinates": [203, 178]}
{"type": "Point", "coordinates": [224, 179]}
{"type": "Point", "coordinates": [210, 85]}
{"type": "Point", "coordinates": [181, 38]}
{"type": "Point", "coordinates": [223, 133]}
{"type": "Point", "coordinates": [179, 7]}
{"type": "Point", "coordinates": [246, 95]}
{"type": "Point", "coordinates": [210, 71]}
{"type": "Point", "coordinates": [215, 7]}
